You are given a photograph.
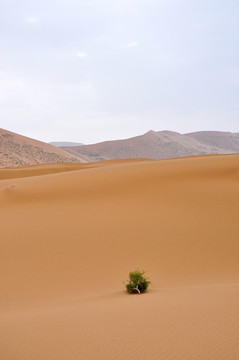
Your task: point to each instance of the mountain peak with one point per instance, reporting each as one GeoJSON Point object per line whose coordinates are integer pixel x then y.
{"type": "Point", "coordinates": [159, 145]}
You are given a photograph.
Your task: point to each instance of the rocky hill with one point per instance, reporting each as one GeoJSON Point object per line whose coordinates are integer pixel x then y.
{"type": "Point", "coordinates": [160, 145]}
{"type": "Point", "coordinates": [18, 150]}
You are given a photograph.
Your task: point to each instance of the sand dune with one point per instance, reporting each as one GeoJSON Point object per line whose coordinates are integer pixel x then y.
{"type": "Point", "coordinates": [71, 233]}
{"type": "Point", "coordinates": [18, 150]}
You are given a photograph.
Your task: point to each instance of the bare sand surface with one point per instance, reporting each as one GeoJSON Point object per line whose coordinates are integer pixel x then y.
{"type": "Point", "coordinates": [70, 234]}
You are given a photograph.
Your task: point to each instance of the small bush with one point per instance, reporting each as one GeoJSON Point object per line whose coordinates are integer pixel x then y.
{"type": "Point", "coordinates": [137, 282]}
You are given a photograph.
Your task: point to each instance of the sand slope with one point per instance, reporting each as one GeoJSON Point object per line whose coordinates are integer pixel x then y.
{"type": "Point", "coordinates": [18, 150]}
{"type": "Point", "coordinates": [69, 239]}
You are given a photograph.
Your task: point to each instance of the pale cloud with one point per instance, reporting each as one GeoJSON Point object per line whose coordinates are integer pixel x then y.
{"type": "Point", "coordinates": [82, 55]}
{"type": "Point", "coordinates": [32, 19]}
{"type": "Point", "coordinates": [133, 44]}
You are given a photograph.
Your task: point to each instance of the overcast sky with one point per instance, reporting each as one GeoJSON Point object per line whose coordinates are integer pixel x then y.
{"type": "Point", "coordinates": [94, 70]}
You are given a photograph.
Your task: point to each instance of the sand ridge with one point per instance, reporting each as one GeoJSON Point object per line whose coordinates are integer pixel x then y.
{"type": "Point", "coordinates": [69, 239]}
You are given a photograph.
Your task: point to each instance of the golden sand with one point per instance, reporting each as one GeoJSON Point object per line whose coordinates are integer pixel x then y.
{"type": "Point", "coordinates": [70, 234]}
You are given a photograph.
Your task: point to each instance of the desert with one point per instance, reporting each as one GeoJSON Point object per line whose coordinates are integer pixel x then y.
{"type": "Point", "coordinates": [119, 180]}
{"type": "Point", "coordinates": [70, 234]}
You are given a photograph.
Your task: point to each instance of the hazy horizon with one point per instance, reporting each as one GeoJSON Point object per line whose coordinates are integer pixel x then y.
{"type": "Point", "coordinates": [95, 70]}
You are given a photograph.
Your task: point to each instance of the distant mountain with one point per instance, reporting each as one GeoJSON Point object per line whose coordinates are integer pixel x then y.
{"type": "Point", "coordinates": [160, 145]}
{"type": "Point", "coordinates": [218, 140]}
{"type": "Point", "coordinates": [64, 143]}
{"type": "Point", "coordinates": [18, 150]}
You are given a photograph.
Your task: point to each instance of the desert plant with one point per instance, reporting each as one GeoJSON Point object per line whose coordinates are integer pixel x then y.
{"type": "Point", "coordinates": [137, 282]}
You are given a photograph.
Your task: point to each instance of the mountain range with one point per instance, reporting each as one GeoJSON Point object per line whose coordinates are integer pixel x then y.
{"type": "Point", "coordinates": [160, 145]}
{"type": "Point", "coordinates": [17, 150]}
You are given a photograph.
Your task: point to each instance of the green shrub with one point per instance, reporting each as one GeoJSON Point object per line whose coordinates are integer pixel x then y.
{"type": "Point", "coordinates": [137, 282]}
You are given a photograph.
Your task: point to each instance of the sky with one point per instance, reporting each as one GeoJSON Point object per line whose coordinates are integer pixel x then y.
{"type": "Point", "coordinates": [95, 70]}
